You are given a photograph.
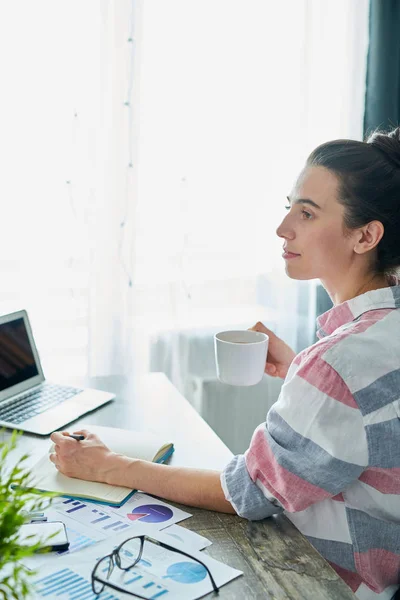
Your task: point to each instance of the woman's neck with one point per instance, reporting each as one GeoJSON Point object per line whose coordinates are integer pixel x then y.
{"type": "Point", "coordinates": [346, 290]}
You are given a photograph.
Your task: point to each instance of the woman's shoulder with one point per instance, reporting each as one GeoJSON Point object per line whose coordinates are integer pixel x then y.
{"type": "Point", "coordinates": [360, 352]}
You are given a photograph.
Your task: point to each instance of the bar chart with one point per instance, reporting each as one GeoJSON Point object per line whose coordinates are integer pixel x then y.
{"type": "Point", "coordinates": [66, 584]}
{"type": "Point", "coordinates": [108, 522]}
{"type": "Point", "coordinates": [77, 540]}
{"type": "Point", "coordinates": [105, 520]}
{"type": "Point", "coordinates": [74, 505]}
{"type": "Point", "coordinates": [141, 583]}
{"type": "Point", "coordinates": [102, 520]}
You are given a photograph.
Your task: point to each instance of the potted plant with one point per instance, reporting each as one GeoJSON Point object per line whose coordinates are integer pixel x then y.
{"type": "Point", "coordinates": [15, 501]}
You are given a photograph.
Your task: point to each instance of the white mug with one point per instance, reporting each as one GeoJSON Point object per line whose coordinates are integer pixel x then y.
{"type": "Point", "coordinates": [240, 356]}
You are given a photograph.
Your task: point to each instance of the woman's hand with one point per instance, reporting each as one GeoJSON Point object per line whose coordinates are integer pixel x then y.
{"type": "Point", "coordinates": [88, 459]}
{"type": "Point", "coordinates": [279, 356]}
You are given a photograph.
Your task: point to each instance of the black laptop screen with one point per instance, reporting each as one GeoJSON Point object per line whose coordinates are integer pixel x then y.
{"type": "Point", "coordinates": [17, 363]}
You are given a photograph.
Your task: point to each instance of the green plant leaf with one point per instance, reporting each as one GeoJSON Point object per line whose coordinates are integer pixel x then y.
{"type": "Point", "coordinates": [15, 497]}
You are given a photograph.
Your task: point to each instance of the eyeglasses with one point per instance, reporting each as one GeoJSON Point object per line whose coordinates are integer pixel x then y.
{"type": "Point", "coordinates": [126, 556]}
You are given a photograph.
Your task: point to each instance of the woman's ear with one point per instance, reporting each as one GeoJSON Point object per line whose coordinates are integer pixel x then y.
{"type": "Point", "coordinates": [369, 237]}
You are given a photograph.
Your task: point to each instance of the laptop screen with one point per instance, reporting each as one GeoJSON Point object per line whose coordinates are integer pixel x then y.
{"type": "Point", "coordinates": [17, 362]}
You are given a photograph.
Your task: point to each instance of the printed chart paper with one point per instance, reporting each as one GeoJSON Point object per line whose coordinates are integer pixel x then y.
{"type": "Point", "coordinates": [159, 573]}
{"type": "Point", "coordinates": [88, 523]}
{"type": "Point", "coordinates": [191, 539]}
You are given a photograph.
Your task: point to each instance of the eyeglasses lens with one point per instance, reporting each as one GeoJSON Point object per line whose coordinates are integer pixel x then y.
{"type": "Point", "coordinates": [129, 553]}
{"type": "Point", "coordinates": [103, 571]}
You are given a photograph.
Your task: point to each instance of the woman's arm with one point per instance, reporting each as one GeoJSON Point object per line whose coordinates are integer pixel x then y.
{"type": "Point", "coordinates": [194, 487]}
{"type": "Point", "coordinates": [91, 460]}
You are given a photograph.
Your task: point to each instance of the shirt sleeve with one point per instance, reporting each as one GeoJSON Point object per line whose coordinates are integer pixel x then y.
{"type": "Point", "coordinates": [311, 447]}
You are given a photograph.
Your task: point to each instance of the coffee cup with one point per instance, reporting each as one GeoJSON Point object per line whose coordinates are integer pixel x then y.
{"type": "Point", "coordinates": [240, 356]}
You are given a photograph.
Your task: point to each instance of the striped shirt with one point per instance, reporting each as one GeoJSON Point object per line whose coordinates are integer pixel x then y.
{"type": "Point", "coordinates": [328, 455]}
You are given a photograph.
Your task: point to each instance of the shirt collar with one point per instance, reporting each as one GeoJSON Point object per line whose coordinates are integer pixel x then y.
{"type": "Point", "coordinates": [350, 310]}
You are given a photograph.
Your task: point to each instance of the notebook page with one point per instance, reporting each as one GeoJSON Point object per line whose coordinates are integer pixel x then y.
{"type": "Point", "coordinates": [135, 444]}
{"type": "Point", "coordinates": [45, 477]}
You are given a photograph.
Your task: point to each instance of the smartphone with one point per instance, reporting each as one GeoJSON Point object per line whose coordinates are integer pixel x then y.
{"type": "Point", "coordinates": [52, 535]}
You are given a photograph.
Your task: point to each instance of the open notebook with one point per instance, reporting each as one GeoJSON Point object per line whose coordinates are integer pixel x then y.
{"type": "Point", "coordinates": [135, 444]}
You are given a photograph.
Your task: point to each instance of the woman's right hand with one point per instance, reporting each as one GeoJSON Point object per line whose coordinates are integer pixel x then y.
{"type": "Point", "coordinates": [279, 356]}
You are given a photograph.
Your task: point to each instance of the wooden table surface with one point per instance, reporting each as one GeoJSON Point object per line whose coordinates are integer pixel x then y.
{"type": "Point", "coordinates": [276, 559]}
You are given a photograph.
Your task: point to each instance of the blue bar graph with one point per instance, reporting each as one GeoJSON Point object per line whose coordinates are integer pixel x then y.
{"type": "Point", "coordinates": [77, 541]}
{"type": "Point", "coordinates": [94, 516]}
{"type": "Point", "coordinates": [161, 590]}
{"type": "Point", "coordinates": [77, 504]}
{"type": "Point", "coordinates": [100, 519]}
{"type": "Point", "coordinates": [51, 576]}
{"type": "Point", "coordinates": [60, 584]}
{"type": "Point", "coordinates": [68, 585]}
{"type": "Point", "coordinates": [74, 587]}
{"type": "Point", "coordinates": [115, 525]}
{"type": "Point", "coordinates": [71, 510]}
{"type": "Point", "coordinates": [86, 592]}
{"type": "Point", "coordinates": [136, 578]}
{"type": "Point", "coordinates": [121, 527]}
{"type": "Point", "coordinates": [112, 525]}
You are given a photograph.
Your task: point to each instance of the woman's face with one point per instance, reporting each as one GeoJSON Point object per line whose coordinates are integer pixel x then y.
{"type": "Point", "coordinates": [315, 243]}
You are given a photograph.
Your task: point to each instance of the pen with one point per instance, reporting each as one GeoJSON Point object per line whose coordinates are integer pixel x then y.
{"type": "Point", "coordinates": [77, 437]}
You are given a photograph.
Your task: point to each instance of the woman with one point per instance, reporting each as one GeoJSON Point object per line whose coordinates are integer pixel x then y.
{"type": "Point", "coordinates": [329, 452]}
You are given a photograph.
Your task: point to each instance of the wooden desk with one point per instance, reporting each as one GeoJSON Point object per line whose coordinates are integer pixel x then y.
{"type": "Point", "coordinates": [277, 561]}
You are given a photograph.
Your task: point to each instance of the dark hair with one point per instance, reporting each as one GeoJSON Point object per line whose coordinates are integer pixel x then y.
{"type": "Point", "coordinates": [369, 176]}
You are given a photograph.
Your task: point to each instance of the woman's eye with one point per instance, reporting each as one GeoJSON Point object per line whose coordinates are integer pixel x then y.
{"type": "Point", "coordinates": [307, 215]}
{"type": "Point", "coordinates": [287, 207]}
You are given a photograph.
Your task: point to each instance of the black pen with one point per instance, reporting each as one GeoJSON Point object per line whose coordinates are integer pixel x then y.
{"type": "Point", "coordinates": [76, 437]}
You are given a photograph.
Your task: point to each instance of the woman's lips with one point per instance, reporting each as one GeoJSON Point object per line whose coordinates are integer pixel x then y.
{"type": "Point", "coordinates": [287, 255]}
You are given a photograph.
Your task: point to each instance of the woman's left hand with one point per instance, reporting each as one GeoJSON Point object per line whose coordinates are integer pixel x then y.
{"type": "Point", "coordinates": [86, 459]}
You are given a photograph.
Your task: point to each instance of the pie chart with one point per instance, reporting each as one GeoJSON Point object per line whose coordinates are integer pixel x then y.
{"type": "Point", "coordinates": [186, 572]}
{"type": "Point", "coordinates": [150, 513]}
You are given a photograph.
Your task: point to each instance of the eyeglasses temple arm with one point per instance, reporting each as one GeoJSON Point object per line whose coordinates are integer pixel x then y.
{"type": "Point", "coordinates": [216, 588]}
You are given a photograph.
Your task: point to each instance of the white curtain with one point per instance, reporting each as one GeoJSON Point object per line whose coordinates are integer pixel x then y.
{"type": "Point", "coordinates": [233, 97]}
{"type": "Point", "coordinates": [68, 178]}
{"type": "Point", "coordinates": [147, 150]}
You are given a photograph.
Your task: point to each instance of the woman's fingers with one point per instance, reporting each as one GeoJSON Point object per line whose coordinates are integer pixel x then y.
{"type": "Point", "coordinates": [63, 437]}
{"type": "Point", "coordinates": [53, 458]}
{"type": "Point", "coordinates": [261, 328]}
{"type": "Point", "coordinates": [271, 370]}
{"type": "Point", "coordinates": [60, 438]}
{"type": "Point", "coordinates": [84, 432]}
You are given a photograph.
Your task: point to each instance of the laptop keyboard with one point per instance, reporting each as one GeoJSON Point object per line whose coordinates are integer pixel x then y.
{"type": "Point", "coordinates": [36, 401]}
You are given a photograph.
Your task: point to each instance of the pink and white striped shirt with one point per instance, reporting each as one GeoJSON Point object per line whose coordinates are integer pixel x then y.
{"type": "Point", "coordinates": [328, 454]}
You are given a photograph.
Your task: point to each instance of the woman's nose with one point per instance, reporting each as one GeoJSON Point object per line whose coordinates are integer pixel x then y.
{"type": "Point", "coordinates": [285, 230]}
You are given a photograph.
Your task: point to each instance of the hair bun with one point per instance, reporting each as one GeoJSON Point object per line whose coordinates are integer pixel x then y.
{"type": "Point", "coordinates": [388, 144]}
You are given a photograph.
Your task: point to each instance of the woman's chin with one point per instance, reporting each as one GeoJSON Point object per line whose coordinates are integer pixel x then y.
{"type": "Point", "coordinates": [296, 272]}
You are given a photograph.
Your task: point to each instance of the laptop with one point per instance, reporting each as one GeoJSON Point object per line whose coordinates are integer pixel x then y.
{"type": "Point", "coordinates": [27, 401]}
